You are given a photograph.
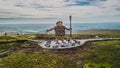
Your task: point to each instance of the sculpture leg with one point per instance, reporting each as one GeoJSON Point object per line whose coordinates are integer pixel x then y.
{"type": "Point", "coordinates": [62, 39]}
{"type": "Point", "coordinates": [56, 39]}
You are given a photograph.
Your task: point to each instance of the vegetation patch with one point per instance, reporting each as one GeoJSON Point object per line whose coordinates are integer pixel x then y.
{"type": "Point", "coordinates": [106, 54]}
{"type": "Point", "coordinates": [27, 54]}
{"type": "Point", "coordinates": [36, 60]}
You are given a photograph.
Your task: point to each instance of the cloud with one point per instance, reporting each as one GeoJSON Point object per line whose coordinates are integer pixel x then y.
{"type": "Point", "coordinates": [86, 2]}
{"type": "Point", "coordinates": [82, 10]}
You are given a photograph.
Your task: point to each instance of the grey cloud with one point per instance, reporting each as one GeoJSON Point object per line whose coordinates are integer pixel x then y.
{"type": "Point", "coordinates": [86, 2]}
{"type": "Point", "coordinates": [33, 6]}
{"type": "Point", "coordinates": [6, 14]}
{"type": "Point", "coordinates": [118, 9]}
{"type": "Point", "coordinates": [66, 0]}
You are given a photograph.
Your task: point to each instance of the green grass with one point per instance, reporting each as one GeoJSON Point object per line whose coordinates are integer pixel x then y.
{"type": "Point", "coordinates": [5, 47]}
{"type": "Point", "coordinates": [13, 41]}
{"type": "Point", "coordinates": [10, 39]}
{"type": "Point", "coordinates": [36, 60]}
{"type": "Point", "coordinates": [14, 38]}
{"type": "Point", "coordinates": [80, 36]}
{"type": "Point", "coordinates": [105, 55]}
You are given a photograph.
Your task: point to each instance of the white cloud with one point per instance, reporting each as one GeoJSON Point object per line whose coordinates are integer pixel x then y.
{"type": "Point", "coordinates": [97, 10]}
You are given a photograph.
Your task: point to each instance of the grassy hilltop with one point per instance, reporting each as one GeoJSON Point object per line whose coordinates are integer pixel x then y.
{"type": "Point", "coordinates": [17, 52]}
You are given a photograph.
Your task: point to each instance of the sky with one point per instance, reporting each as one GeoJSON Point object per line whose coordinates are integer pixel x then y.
{"type": "Point", "coordinates": [50, 11]}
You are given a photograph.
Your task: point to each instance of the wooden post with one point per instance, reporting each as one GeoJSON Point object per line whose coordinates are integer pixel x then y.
{"type": "Point", "coordinates": [70, 26]}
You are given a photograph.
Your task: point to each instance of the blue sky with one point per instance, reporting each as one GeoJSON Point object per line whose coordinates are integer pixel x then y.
{"type": "Point", "coordinates": [50, 11]}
